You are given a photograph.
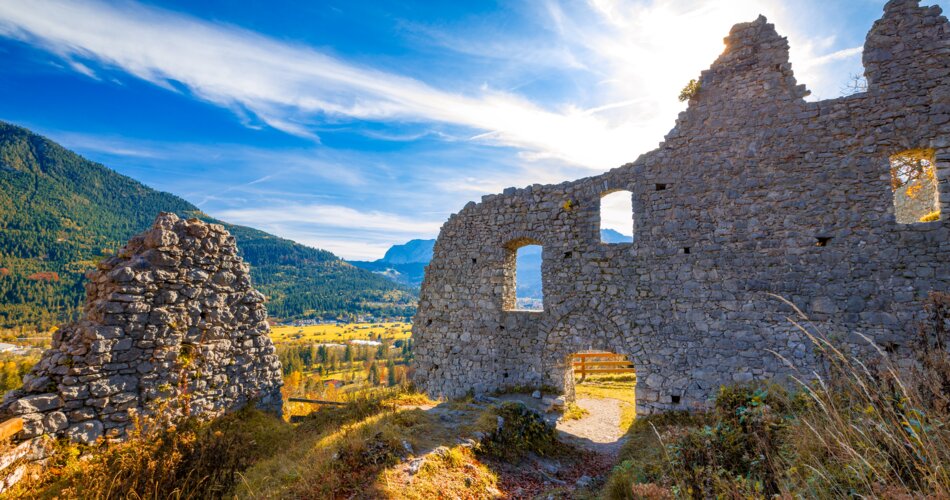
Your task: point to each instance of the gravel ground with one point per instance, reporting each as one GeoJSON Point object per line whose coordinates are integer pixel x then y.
{"type": "Point", "coordinates": [599, 430]}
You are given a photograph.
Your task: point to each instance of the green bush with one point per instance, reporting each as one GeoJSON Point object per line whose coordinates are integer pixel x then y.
{"type": "Point", "coordinates": [743, 446]}
{"type": "Point", "coordinates": [690, 91]}
{"type": "Point", "coordinates": [519, 431]}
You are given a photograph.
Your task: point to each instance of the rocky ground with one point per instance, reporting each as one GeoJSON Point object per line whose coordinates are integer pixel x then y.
{"type": "Point", "coordinates": [595, 440]}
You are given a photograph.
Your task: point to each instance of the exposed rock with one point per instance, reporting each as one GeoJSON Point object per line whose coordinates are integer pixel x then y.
{"type": "Point", "coordinates": [85, 432]}
{"type": "Point", "coordinates": [174, 310]}
{"type": "Point", "coordinates": [415, 464]}
{"type": "Point", "coordinates": [37, 403]}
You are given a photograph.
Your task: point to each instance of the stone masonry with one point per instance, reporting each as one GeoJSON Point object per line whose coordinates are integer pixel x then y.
{"type": "Point", "coordinates": [174, 312]}
{"type": "Point", "coordinates": [754, 192]}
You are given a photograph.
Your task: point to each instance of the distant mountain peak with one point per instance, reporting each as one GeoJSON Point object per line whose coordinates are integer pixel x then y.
{"type": "Point", "coordinates": [412, 251]}
{"type": "Point", "coordinates": [613, 236]}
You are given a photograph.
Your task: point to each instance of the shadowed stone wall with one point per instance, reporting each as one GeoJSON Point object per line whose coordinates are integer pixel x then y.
{"type": "Point", "coordinates": [728, 210]}
{"type": "Point", "coordinates": [174, 312]}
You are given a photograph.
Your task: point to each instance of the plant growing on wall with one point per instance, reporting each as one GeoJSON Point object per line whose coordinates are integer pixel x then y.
{"type": "Point", "coordinates": [690, 90]}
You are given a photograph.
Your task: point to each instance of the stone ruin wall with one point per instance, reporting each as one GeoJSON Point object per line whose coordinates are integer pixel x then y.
{"type": "Point", "coordinates": [174, 312]}
{"type": "Point", "coordinates": [748, 180]}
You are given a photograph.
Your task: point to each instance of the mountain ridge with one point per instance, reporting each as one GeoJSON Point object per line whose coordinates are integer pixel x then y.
{"type": "Point", "coordinates": [60, 213]}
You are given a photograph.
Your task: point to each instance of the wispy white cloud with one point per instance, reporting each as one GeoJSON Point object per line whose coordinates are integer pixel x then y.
{"type": "Point", "coordinates": [354, 234]}
{"type": "Point", "coordinates": [335, 216]}
{"type": "Point", "coordinates": [624, 62]}
{"type": "Point", "coordinates": [328, 166]}
{"type": "Point", "coordinates": [289, 86]}
{"type": "Point", "coordinates": [616, 212]}
{"type": "Point", "coordinates": [293, 87]}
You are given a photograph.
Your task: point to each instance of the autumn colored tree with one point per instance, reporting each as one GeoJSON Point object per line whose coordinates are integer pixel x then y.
{"type": "Point", "coordinates": [910, 167]}
{"type": "Point", "coordinates": [373, 374]}
{"type": "Point", "coordinates": [391, 373]}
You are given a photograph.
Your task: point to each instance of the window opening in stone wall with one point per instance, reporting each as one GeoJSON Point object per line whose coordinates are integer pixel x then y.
{"type": "Point", "coordinates": [914, 184]}
{"type": "Point", "coordinates": [523, 290]}
{"type": "Point", "coordinates": [822, 241]}
{"type": "Point", "coordinates": [616, 217]}
{"type": "Point", "coordinates": [530, 295]}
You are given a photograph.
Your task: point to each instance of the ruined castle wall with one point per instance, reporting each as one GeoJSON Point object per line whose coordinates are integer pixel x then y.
{"type": "Point", "coordinates": [173, 322]}
{"type": "Point", "coordinates": [749, 180]}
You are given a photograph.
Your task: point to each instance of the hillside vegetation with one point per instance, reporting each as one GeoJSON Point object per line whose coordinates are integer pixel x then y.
{"type": "Point", "coordinates": [60, 213]}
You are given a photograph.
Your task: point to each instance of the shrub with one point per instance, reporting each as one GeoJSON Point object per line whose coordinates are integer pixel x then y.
{"type": "Point", "coordinates": [744, 445]}
{"type": "Point", "coordinates": [193, 459]}
{"type": "Point", "coordinates": [519, 431]}
{"type": "Point", "coordinates": [861, 430]}
{"type": "Point", "coordinates": [690, 91]}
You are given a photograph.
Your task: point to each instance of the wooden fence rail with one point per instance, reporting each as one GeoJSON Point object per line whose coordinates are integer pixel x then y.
{"type": "Point", "coordinates": [9, 428]}
{"type": "Point", "coordinates": [315, 401]}
{"type": "Point", "coordinates": [590, 363]}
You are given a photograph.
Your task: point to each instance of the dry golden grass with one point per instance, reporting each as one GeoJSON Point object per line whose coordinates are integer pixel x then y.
{"type": "Point", "coordinates": [620, 387]}
{"type": "Point", "coordinates": [865, 428]}
{"type": "Point", "coordinates": [449, 473]}
{"type": "Point", "coordinates": [574, 412]}
{"type": "Point", "coordinates": [366, 457]}
{"type": "Point", "coordinates": [339, 334]}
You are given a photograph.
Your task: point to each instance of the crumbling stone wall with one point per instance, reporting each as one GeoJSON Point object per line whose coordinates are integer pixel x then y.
{"type": "Point", "coordinates": [754, 192]}
{"type": "Point", "coordinates": [173, 313]}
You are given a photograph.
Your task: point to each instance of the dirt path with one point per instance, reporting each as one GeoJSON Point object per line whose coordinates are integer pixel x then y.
{"type": "Point", "coordinates": [599, 430]}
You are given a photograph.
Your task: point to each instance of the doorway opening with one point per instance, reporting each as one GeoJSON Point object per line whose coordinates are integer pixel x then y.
{"type": "Point", "coordinates": [605, 403]}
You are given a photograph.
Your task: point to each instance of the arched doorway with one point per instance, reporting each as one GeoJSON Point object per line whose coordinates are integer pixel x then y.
{"type": "Point", "coordinates": [604, 404]}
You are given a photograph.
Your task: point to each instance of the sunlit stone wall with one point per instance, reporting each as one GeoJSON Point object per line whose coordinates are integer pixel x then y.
{"type": "Point", "coordinates": [754, 192]}
{"type": "Point", "coordinates": [171, 324]}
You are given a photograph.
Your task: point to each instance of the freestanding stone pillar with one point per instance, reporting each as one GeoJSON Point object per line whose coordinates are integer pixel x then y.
{"type": "Point", "coordinates": [172, 315]}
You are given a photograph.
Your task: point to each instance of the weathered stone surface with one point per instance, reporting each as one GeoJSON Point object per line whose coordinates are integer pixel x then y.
{"type": "Point", "coordinates": [748, 180]}
{"type": "Point", "coordinates": [37, 403]}
{"type": "Point", "coordinates": [85, 432]}
{"type": "Point", "coordinates": [155, 324]}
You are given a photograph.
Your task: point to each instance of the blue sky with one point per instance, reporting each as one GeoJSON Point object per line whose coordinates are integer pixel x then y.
{"type": "Point", "coordinates": [351, 125]}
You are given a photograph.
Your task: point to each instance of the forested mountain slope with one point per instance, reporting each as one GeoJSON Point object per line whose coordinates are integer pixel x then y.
{"type": "Point", "coordinates": [60, 213]}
